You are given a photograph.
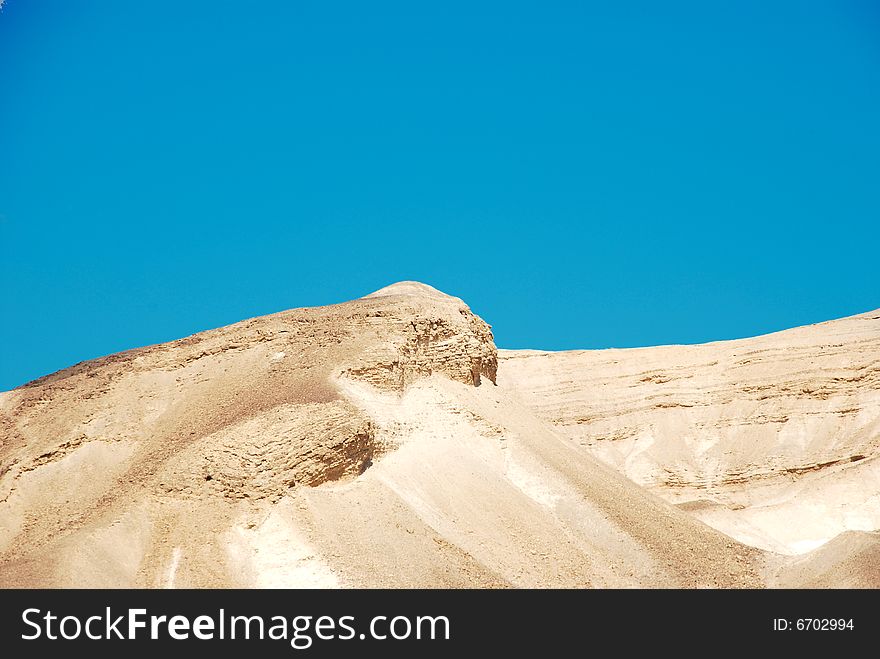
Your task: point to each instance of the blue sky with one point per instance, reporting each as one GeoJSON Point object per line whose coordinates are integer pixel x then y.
{"type": "Point", "coordinates": [583, 175]}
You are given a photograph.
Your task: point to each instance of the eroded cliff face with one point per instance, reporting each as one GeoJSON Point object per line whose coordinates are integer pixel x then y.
{"type": "Point", "coordinates": [428, 332]}
{"type": "Point", "coordinates": [773, 439]}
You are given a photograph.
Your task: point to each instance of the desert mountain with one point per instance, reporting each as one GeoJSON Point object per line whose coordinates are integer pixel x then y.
{"type": "Point", "coordinates": [384, 442]}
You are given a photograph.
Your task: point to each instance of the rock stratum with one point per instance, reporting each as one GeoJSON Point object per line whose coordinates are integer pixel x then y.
{"type": "Point", "coordinates": [386, 442]}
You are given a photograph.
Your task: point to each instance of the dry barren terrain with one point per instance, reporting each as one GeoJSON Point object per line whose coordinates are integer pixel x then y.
{"type": "Point", "coordinates": [387, 442]}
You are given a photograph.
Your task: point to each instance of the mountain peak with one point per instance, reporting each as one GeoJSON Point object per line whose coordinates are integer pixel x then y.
{"type": "Point", "coordinates": [412, 289]}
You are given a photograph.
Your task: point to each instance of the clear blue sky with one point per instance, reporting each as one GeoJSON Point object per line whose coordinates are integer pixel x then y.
{"type": "Point", "coordinates": [583, 175]}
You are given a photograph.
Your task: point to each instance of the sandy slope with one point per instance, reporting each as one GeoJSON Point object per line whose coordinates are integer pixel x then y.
{"type": "Point", "coordinates": [850, 560]}
{"type": "Point", "coordinates": [773, 440]}
{"type": "Point", "coordinates": [361, 444]}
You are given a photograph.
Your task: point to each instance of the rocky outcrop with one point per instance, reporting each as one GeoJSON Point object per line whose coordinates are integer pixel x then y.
{"type": "Point", "coordinates": [428, 332]}
{"type": "Point", "coordinates": [267, 456]}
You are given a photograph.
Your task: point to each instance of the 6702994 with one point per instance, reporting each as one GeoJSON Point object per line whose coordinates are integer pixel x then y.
{"type": "Point", "coordinates": [813, 624]}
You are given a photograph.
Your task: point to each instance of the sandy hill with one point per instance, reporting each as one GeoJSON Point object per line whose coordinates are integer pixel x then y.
{"type": "Point", "coordinates": [381, 442]}
{"type": "Point", "coordinates": [772, 440]}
